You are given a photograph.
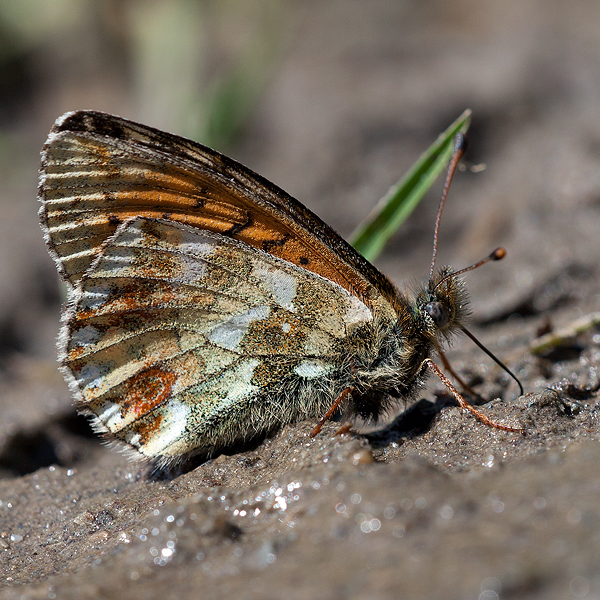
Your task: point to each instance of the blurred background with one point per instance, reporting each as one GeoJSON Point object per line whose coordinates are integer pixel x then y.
{"type": "Point", "coordinates": [332, 100]}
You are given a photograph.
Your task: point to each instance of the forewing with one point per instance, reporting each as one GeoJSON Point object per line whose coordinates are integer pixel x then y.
{"type": "Point", "coordinates": [99, 170]}
{"type": "Point", "coordinates": [173, 327]}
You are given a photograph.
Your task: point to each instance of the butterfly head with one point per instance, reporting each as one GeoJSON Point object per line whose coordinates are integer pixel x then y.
{"type": "Point", "coordinates": [443, 304]}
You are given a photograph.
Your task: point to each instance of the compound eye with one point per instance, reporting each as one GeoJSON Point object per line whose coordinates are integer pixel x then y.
{"type": "Point", "coordinates": [438, 312]}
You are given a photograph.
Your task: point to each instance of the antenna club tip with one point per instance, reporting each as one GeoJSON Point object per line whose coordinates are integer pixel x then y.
{"type": "Point", "coordinates": [498, 254]}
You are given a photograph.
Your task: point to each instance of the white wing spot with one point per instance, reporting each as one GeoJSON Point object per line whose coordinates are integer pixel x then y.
{"type": "Point", "coordinates": [196, 248]}
{"type": "Point", "coordinates": [280, 284]}
{"type": "Point", "coordinates": [229, 334]}
{"type": "Point", "coordinates": [131, 235]}
{"type": "Point", "coordinates": [133, 439]}
{"type": "Point", "coordinates": [243, 388]}
{"type": "Point", "coordinates": [90, 377]}
{"type": "Point", "coordinates": [111, 416]}
{"type": "Point", "coordinates": [357, 312]}
{"type": "Point", "coordinates": [192, 269]}
{"type": "Point", "coordinates": [311, 369]}
{"type": "Point", "coordinates": [84, 336]}
{"type": "Point", "coordinates": [175, 418]}
{"type": "Point", "coordinates": [117, 259]}
{"type": "Point", "coordinates": [94, 298]}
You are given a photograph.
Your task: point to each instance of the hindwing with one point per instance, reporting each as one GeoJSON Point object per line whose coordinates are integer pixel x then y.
{"type": "Point", "coordinates": [173, 331]}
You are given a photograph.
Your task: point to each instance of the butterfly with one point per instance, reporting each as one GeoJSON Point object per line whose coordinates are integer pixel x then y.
{"type": "Point", "coordinates": [206, 307]}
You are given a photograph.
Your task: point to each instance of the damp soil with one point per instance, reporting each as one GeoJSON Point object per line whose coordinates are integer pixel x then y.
{"type": "Point", "coordinates": [431, 503]}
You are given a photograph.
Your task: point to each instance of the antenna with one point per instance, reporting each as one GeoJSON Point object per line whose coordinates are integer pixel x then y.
{"type": "Point", "coordinates": [497, 254]}
{"type": "Point", "coordinates": [460, 147]}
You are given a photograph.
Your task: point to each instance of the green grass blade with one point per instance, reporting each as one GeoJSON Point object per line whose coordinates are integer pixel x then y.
{"type": "Point", "coordinates": [371, 236]}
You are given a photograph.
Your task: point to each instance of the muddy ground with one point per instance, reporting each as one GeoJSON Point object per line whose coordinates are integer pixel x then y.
{"type": "Point", "coordinates": [432, 504]}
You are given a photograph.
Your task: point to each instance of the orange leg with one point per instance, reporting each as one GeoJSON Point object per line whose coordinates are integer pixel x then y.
{"type": "Point", "coordinates": [465, 386]}
{"type": "Point", "coordinates": [347, 428]}
{"type": "Point", "coordinates": [330, 412]}
{"type": "Point", "coordinates": [465, 405]}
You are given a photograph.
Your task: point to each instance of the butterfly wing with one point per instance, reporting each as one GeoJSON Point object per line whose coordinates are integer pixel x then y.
{"type": "Point", "coordinates": [179, 339]}
{"type": "Point", "coordinates": [98, 170]}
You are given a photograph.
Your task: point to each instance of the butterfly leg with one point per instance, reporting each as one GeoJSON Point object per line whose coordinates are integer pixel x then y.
{"type": "Point", "coordinates": [330, 412]}
{"type": "Point", "coordinates": [344, 429]}
{"type": "Point", "coordinates": [465, 386]}
{"type": "Point", "coordinates": [464, 404]}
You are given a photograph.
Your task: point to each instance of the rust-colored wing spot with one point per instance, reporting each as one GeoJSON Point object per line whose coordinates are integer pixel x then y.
{"type": "Point", "coordinates": [147, 390]}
